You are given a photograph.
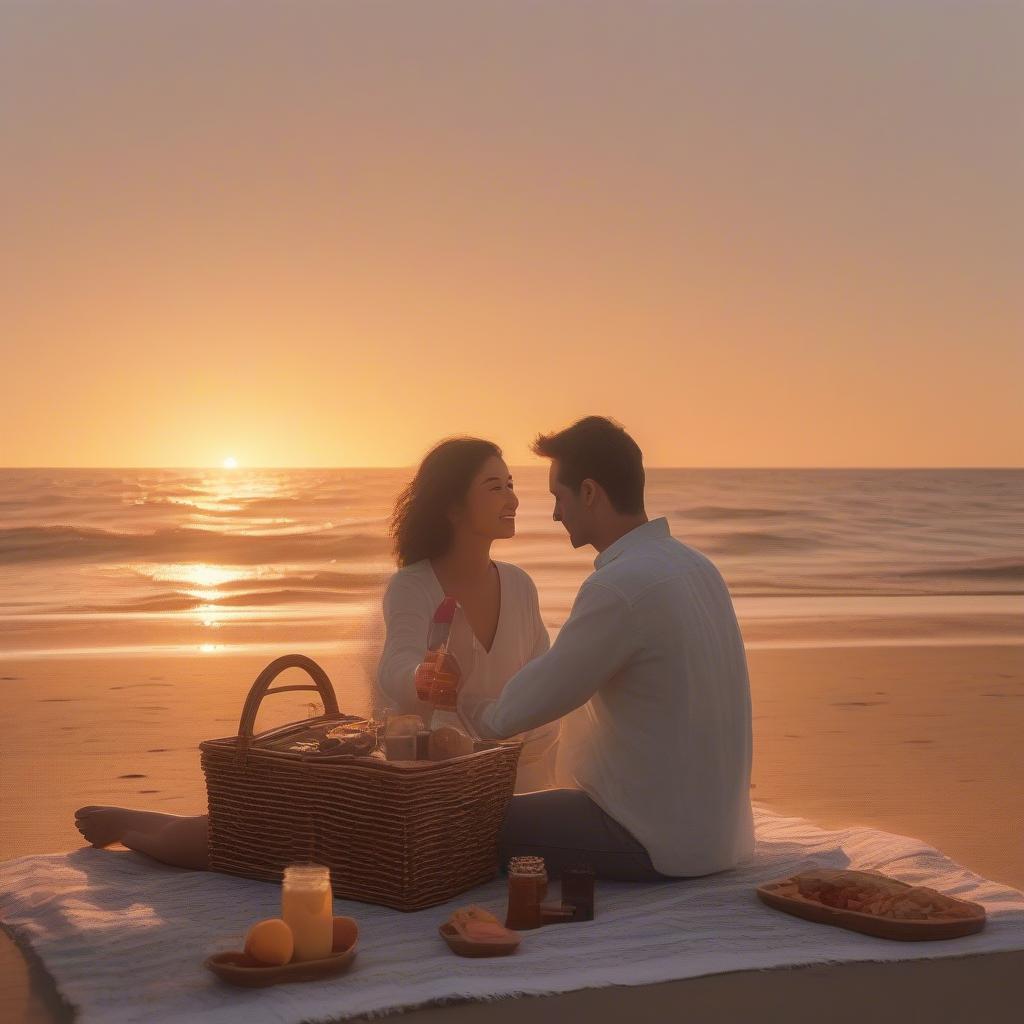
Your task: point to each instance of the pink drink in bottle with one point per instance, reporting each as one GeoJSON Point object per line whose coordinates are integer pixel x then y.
{"type": "Point", "coordinates": [439, 685]}
{"type": "Point", "coordinates": [443, 690]}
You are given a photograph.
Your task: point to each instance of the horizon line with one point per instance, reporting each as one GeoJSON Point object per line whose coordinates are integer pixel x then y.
{"type": "Point", "coordinates": [533, 465]}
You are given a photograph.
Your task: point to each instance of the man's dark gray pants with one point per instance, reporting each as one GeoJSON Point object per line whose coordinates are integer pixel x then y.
{"type": "Point", "coordinates": [566, 827]}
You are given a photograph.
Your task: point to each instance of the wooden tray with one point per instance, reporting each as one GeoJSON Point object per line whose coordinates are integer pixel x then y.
{"type": "Point", "coordinates": [239, 968]}
{"type": "Point", "coordinates": [459, 944]}
{"type": "Point", "coordinates": [785, 895]}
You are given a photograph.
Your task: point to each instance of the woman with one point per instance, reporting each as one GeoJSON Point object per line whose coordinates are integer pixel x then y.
{"type": "Point", "coordinates": [459, 502]}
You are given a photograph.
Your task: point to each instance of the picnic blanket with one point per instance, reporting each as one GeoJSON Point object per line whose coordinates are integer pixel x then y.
{"type": "Point", "coordinates": [125, 938]}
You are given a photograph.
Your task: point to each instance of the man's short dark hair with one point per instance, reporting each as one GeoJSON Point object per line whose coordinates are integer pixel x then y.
{"type": "Point", "coordinates": [598, 449]}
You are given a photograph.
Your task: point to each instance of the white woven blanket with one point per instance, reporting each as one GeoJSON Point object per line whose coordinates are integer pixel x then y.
{"type": "Point", "coordinates": [124, 938]}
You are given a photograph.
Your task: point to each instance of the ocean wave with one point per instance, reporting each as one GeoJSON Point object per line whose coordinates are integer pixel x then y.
{"type": "Point", "coordinates": [248, 599]}
{"type": "Point", "coordinates": [989, 570]}
{"type": "Point", "coordinates": [183, 601]}
{"type": "Point", "coordinates": [757, 542]}
{"type": "Point", "coordinates": [307, 581]}
{"type": "Point", "coordinates": [240, 506]}
{"type": "Point", "coordinates": [40, 501]}
{"type": "Point", "coordinates": [180, 544]}
{"type": "Point", "coordinates": [739, 512]}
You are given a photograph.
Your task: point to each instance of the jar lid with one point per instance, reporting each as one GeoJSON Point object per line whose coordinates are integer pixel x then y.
{"type": "Point", "coordinates": [526, 866]}
{"type": "Point", "coordinates": [308, 873]}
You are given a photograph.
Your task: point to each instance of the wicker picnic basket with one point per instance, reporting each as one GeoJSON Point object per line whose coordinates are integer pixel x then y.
{"type": "Point", "coordinates": [406, 835]}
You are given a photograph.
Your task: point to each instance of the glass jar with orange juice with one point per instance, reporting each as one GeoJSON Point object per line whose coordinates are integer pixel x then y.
{"type": "Point", "coordinates": [308, 909]}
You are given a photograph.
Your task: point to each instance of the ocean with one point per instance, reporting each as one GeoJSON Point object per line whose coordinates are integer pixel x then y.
{"type": "Point", "coordinates": [208, 562]}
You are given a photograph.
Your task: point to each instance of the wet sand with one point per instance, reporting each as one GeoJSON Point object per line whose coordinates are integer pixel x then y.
{"type": "Point", "coordinates": [921, 741]}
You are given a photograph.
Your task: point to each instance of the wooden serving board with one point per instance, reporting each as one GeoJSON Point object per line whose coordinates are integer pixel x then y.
{"type": "Point", "coordinates": [239, 968]}
{"type": "Point", "coordinates": [785, 895]}
{"type": "Point", "coordinates": [463, 946]}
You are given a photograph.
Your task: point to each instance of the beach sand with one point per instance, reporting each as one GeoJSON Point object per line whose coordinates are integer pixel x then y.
{"type": "Point", "coordinates": [922, 741]}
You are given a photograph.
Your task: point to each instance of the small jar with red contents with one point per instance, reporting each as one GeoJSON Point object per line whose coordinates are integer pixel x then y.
{"type": "Point", "coordinates": [527, 887]}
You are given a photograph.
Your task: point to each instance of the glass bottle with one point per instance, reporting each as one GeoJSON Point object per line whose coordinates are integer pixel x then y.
{"type": "Point", "coordinates": [307, 908]}
{"type": "Point", "coordinates": [453, 736]}
{"type": "Point", "coordinates": [437, 648]}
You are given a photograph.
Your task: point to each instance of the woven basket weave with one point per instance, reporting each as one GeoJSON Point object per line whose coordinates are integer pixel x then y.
{"type": "Point", "coordinates": [406, 835]}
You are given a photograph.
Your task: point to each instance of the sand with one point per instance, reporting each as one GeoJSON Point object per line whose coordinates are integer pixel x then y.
{"type": "Point", "coordinates": [922, 741]}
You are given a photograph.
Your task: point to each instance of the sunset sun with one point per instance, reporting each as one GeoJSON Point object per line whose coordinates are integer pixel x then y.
{"type": "Point", "coordinates": [231, 462]}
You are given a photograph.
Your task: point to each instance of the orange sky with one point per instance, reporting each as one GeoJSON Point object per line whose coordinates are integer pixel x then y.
{"type": "Point", "coordinates": [759, 235]}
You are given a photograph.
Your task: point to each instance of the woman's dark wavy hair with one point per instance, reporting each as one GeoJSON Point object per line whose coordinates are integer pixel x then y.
{"type": "Point", "coordinates": [420, 527]}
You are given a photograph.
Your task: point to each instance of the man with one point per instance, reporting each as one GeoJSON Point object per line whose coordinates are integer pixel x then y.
{"type": "Point", "coordinates": [651, 654]}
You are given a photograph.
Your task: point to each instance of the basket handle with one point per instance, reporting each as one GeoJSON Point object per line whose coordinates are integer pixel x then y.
{"type": "Point", "coordinates": [261, 688]}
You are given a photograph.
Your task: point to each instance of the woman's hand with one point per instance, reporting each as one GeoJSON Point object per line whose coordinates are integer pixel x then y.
{"type": "Point", "coordinates": [438, 678]}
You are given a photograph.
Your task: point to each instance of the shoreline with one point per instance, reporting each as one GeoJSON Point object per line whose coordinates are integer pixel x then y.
{"type": "Point", "coordinates": [355, 632]}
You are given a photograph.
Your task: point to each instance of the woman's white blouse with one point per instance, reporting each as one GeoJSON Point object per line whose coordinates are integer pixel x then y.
{"type": "Point", "coordinates": [411, 598]}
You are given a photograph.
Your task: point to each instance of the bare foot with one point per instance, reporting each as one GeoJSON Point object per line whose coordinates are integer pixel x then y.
{"type": "Point", "coordinates": [102, 826]}
{"type": "Point", "coordinates": [177, 839]}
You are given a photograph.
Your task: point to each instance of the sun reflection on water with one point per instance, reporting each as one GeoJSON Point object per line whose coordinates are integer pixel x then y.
{"type": "Point", "coordinates": [204, 582]}
{"type": "Point", "coordinates": [235, 486]}
{"type": "Point", "coordinates": [200, 574]}
{"type": "Point", "coordinates": [210, 617]}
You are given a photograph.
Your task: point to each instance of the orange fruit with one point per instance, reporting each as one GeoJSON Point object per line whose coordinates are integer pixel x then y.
{"type": "Point", "coordinates": [346, 931]}
{"type": "Point", "coordinates": [270, 942]}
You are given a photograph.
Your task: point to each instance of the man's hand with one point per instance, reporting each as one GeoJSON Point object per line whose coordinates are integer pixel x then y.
{"type": "Point", "coordinates": [438, 678]}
